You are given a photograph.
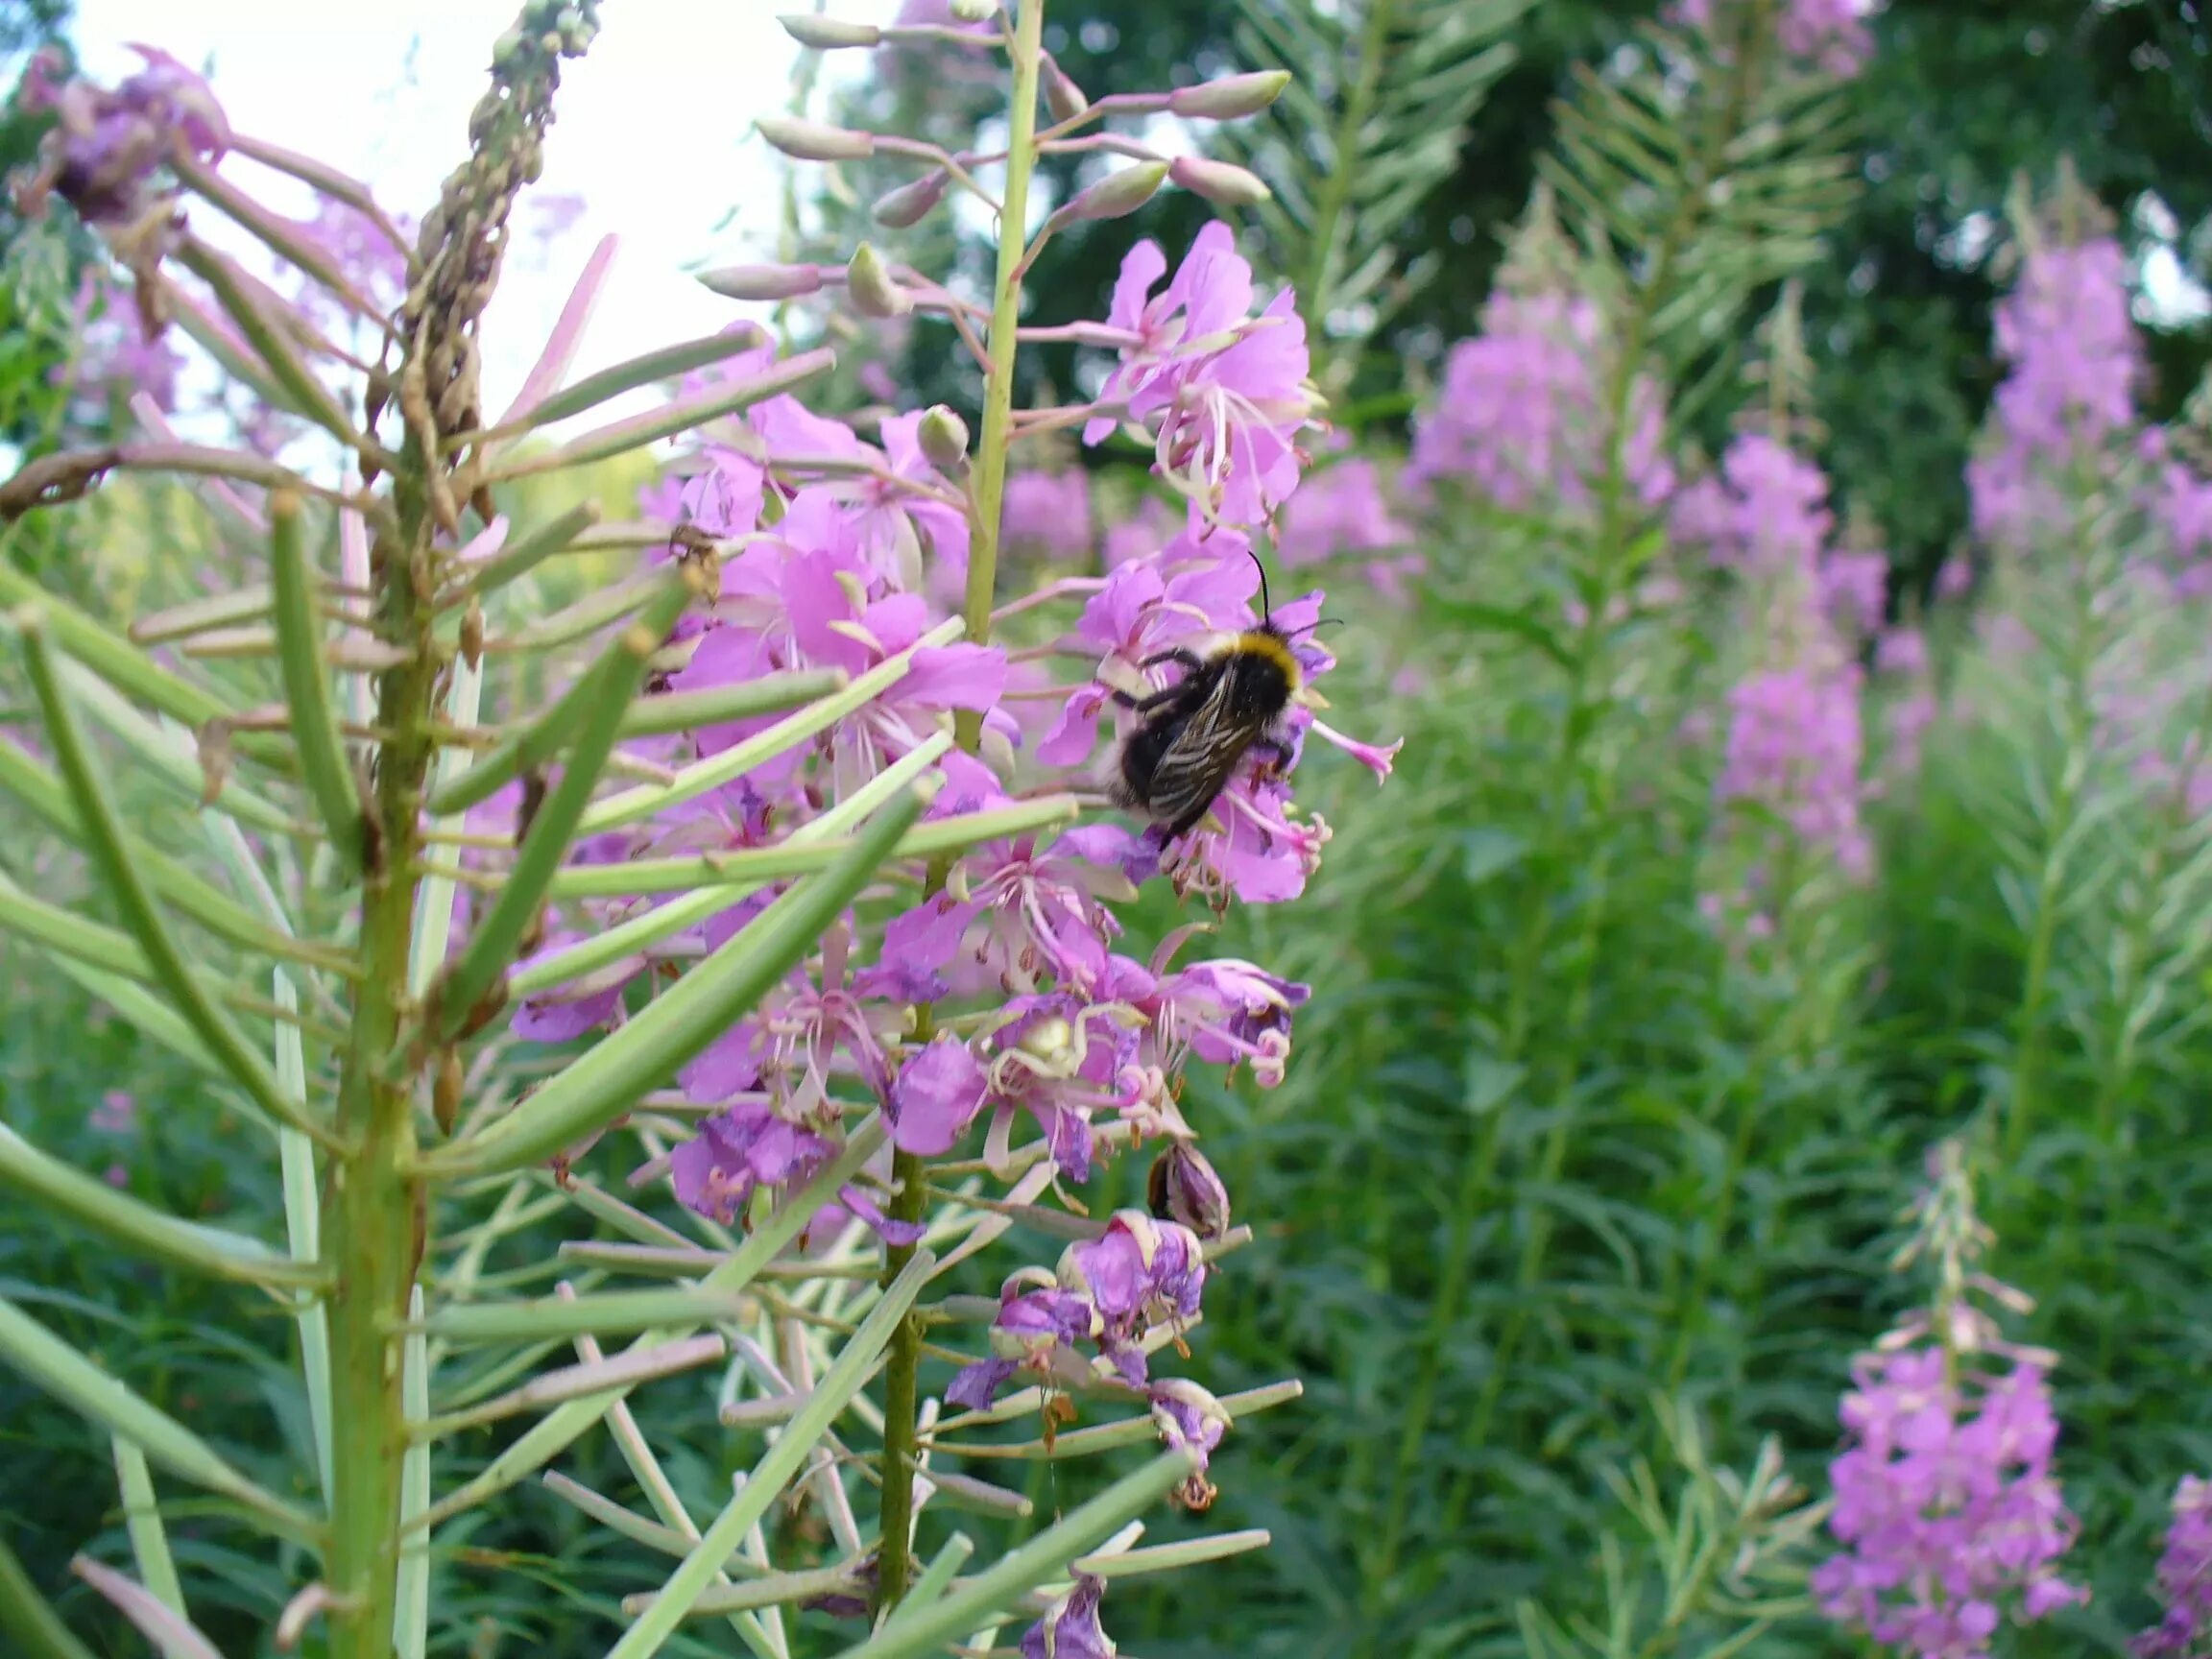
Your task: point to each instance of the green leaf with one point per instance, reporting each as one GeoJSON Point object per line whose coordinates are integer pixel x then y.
{"type": "Point", "coordinates": [304, 394]}
{"type": "Point", "coordinates": [855, 1363]}
{"type": "Point", "coordinates": [525, 553]}
{"type": "Point", "coordinates": [711, 773]}
{"type": "Point", "coordinates": [411, 1610]}
{"type": "Point", "coordinates": [188, 1246]}
{"type": "Point", "coordinates": [561, 1427]}
{"type": "Point", "coordinates": [925, 1632]}
{"type": "Point", "coordinates": [149, 1538]}
{"type": "Point", "coordinates": [612, 683]}
{"type": "Point", "coordinates": [27, 1619]}
{"type": "Point", "coordinates": [176, 761]}
{"type": "Point", "coordinates": [76, 1381]}
{"type": "Point", "coordinates": [109, 654]}
{"type": "Point", "coordinates": [682, 415]}
{"type": "Point", "coordinates": [109, 851]}
{"type": "Point", "coordinates": [678, 1023]}
{"type": "Point", "coordinates": [616, 1313]}
{"type": "Point", "coordinates": [665, 364]}
{"type": "Point", "coordinates": [305, 674]}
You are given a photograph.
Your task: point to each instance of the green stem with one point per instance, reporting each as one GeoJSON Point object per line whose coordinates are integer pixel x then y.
{"type": "Point", "coordinates": [376, 1214]}
{"type": "Point", "coordinates": [902, 1362]}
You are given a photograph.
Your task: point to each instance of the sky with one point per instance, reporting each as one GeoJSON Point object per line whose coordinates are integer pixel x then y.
{"type": "Point", "coordinates": [653, 130]}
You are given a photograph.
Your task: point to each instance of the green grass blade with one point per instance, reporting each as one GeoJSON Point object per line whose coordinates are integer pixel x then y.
{"type": "Point", "coordinates": [55, 1366]}
{"type": "Point", "coordinates": [111, 656]}
{"type": "Point", "coordinates": [711, 773]}
{"type": "Point", "coordinates": [303, 1237]}
{"type": "Point", "coordinates": [855, 1363]}
{"type": "Point", "coordinates": [178, 766]}
{"type": "Point", "coordinates": [937, 1577]}
{"type": "Point", "coordinates": [613, 684]}
{"type": "Point", "coordinates": [718, 704]}
{"type": "Point", "coordinates": [69, 934]}
{"type": "Point", "coordinates": [525, 553]}
{"type": "Point", "coordinates": [925, 1632]}
{"type": "Point", "coordinates": [149, 1538]}
{"type": "Point", "coordinates": [305, 675]}
{"type": "Point", "coordinates": [596, 389]}
{"type": "Point", "coordinates": [147, 1014]}
{"type": "Point", "coordinates": [187, 1247]}
{"type": "Point", "coordinates": [26, 1617]}
{"type": "Point", "coordinates": [561, 1427]}
{"type": "Point", "coordinates": [109, 852]}
{"type": "Point", "coordinates": [678, 1023]}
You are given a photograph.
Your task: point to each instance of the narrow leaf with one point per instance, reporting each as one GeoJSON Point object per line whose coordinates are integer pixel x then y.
{"type": "Point", "coordinates": [567, 329]}
{"type": "Point", "coordinates": [434, 900]}
{"type": "Point", "coordinates": [104, 832]}
{"type": "Point", "coordinates": [142, 1519]}
{"type": "Point", "coordinates": [555, 1387]}
{"type": "Point", "coordinates": [171, 1634]}
{"type": "Point", "coordinates": [613, 682]}
{"type": "Point", "coordinates": [678, 1023]}
{"type": "Point", "coordinates": [55, 1366]}
{"type": "Point", "coordinates": [855, 1363]}
{"type": "Point", "coordinates": [616, 1312]}
{"type": "Point", "coordinates": [596, 389]}
{"type": "Point", "coordinates": [27, 1619]}
{"type": "Point", "coordinates": [411, 1609]}
{"type": "Point", "coordinates": [304, 394]}
{"type": "Point", "coordinates": [925, 1632]}
{"type": "Point", "coordinates": [111, 656]}
{"type": "Point", "coordinates": [187, 1247]}
{"type": "Point", "coordinates": [523, 555]}
{"type": "Point", "coordinates": [682, 415]}
{"type": "Point", "coordinates": [307, 679]}
{"type": "Point", "coordinates": [178, 766]}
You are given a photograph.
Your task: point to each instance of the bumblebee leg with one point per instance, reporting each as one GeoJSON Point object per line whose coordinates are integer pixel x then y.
{"type": "Point", "coordinates": [1187, 661]}
{"type": "Point", "coordinates": [1184, 825]}
{"type": "Point", "coordinates": [1143, 704]}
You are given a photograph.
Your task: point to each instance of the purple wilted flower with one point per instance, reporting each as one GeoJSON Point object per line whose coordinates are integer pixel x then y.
{"type": "Point", "coordinates": [108, 146]}
{"type": "Point", "coordinates": [2074, 359]}
{"type": "Point", "coordinates": [1223, 1012]}
{"type": "Point", "coordinates": [1190, 1418]}
{"type": "Point", "coordinates": [1037, 1326]}
{"type": "Point", "coordinates": [1185, 1188]}
{"type": "Point", "coordinates": [1518, 420]}
{"type": "Point", "coordinates": [1047, 513]}
{"type": "Point", "coordinates": [1946, 1505]}
{"type": "Point", "coordinates": [1141, 1275]}
{"type": "Point", "coordinates": [749, 1147]}
{"type": "Point", "coordinates": [1794, 744]}
{"type": "Point", "coordinates": [1071, 1630]}
{"type": "Point", "coordinates": [2184, 1577]}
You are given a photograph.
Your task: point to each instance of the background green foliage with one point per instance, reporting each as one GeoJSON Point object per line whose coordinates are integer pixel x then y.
{"type": "Point", "coordinates": [1681, 1173]}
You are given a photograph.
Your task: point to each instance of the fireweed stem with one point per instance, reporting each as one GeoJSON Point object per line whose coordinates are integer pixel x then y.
{"type": "Point", "coordinates": [1575, 728]}
{"type": "Point", "coordinates": [895, 1560]}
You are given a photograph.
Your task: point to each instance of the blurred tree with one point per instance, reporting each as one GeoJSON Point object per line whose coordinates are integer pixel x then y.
{"type": "Point", "coordinates": [38, 264]}
{"type": "Point", "coordinates": [1958, 98]}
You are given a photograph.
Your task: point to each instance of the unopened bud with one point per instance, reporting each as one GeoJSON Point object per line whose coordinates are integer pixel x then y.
{"type": "Point", "coordinates": [473, 634]}
{"type": "Point", "coordinates": [762, 281]}
{"type": "Point", "coordinates": [1221, 183]}
{"type": "Point", "coordinates": [942, 437]}
{"type": "Point", "coordinates": [873, 292]}
{"type": "Point", "coordinates": [1120, 193]}
{"type": "Point", "coordinates": [910, 204]}
{"type": "Point", "coordinates": [1184, 1188]}
{"type": "Point", "coordinates": [974, 11]}
{"type": "Point", "coordinates": [813, 140]}
{"type": "Point", "coordinates": [826, 33]}
{"type": "Point", "coordinates": [1062, 96]}
{"type": "Point", "coordinates": [1229, 98]}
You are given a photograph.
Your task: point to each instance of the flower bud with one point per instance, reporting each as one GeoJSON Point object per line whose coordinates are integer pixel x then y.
{"type": "Point", "coordinates": [1120, 193]}
{"type": "Point", "coordinates": [826, 33]}
{"type": "Point", "coordinates": [974, 11]}
{"type": "Point", "coordinates": [1229, 98]}
{"type": "Point", "coordinates": [762, 281]}
{"type": "Point", "coordinates": [1184, 1188]}
{"type": "Point", "coordinates": [910, 204]}
{"type": "Point", "coordinates": [1221, 183]}
{"type": "Point", "coordinates": [869, 284]}
{"type": "Point", "coordinates": [942, 437]}
{"type": "Point", "coordinates": [1062, 96]}
{"type": "Point", "coordinates": [813, 140]}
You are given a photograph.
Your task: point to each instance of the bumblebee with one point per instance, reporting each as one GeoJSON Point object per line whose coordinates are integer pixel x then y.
{"type": "Point", "coordinates": [1192, 735]}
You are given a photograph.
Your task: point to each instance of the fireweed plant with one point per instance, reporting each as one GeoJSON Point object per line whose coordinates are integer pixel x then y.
{"type": "Point", "coordinates": [760, 875]}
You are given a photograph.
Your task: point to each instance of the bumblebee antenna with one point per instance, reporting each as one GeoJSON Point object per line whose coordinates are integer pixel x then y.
{"type": "Point", "coordinates": [1266, 605]}
{"type": "Point", "coordinates": [1324, 622]}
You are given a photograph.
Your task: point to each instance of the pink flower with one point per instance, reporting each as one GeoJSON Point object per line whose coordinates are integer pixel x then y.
{"type": "Point", "coordinates": [1047, 513]}
{"type": "Point", "coordinates": [937, 1095]}
{"type": "Point", "coordinates": [750, 1147]}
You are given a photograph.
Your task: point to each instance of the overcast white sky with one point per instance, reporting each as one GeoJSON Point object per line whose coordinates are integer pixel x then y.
{"type": "Point", "coordinates": [653, 130]}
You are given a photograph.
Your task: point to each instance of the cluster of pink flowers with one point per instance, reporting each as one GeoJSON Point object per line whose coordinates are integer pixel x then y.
{"type": "Point", "coordinates": [1827, 36]}
{"type": "Point", "coordinates": [1343, 512]}
{"type": "Point", "coordinates": [2074, 360]}
{"type": "Point", "coordinates": [837, 552]}
{"type": "Point", "coordinates": [1947, 1506]}
{"type": "Point", "coordinates": [2184, 1577]}
{"type": "Point", "coordinates": [1520, 419]}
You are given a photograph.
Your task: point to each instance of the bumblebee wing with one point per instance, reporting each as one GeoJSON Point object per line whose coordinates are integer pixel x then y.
{"type": "Point", "coordinates": [1192, 772]}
